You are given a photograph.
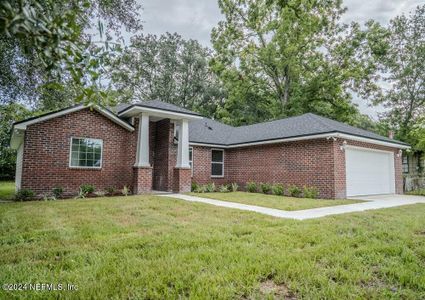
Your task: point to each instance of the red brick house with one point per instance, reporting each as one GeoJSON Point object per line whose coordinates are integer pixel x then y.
{"type": "Point", "coordinates": [158, 146]}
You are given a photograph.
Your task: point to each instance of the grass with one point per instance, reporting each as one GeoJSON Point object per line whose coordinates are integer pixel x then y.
{"type": "Point", "coordinates": [272, 201]}
{"type": "Point", "coordinates": [7, 190]}
{"type": "Point", "coordinates": [418, 192]}
{"type": "Point", "coordinates": [160, 248]}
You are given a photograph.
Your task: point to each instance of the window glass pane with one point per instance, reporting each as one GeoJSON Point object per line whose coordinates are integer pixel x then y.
{"type": "Point", "coordinates": [190, 154]}
{"type": "Point", "coordinates": [216, 169]}
{"type": "Point", "coordinates": [217, 156]}
{"type": "Point", "coordinates": [86, 152]}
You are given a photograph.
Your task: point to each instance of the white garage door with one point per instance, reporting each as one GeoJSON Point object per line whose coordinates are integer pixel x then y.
{"type": "Point", "coordinates": [369, 172]}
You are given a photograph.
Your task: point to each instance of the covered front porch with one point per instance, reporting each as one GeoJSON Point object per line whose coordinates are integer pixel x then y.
{"type": "Point", "coordinates": [161, 161]}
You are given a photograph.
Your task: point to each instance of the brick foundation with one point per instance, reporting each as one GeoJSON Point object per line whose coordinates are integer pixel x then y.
{"type": "Point", "coordinates": [142, 180]}
{"type": "Point", "coordinates": [182, 180]}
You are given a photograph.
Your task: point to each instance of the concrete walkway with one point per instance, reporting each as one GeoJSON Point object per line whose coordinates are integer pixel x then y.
{"type": "Point", "coordinates": [371, 202]}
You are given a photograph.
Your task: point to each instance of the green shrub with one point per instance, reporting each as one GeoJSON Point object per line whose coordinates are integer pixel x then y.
{"type": "Point", "coordinates": [418, 192]}
{"type": "Point", "coordinates": [111, 190]}
{"type": "Point", "coordinates": [24, 195]}
{"type": "Point", "coordinates": [125, 190]}
{"type": "Point", "coordinates": [294, 191]}
{"type": "Point", "coordinates": [57, 192]}
{"type": "Point", "coordinates": [210, 187]}
{"type": "Point", "coordinates": [310, 192]}
{"type": "Point", "coordinates": [200, 189]}
{"type": "Point", "coordinates": [265, 188]}
{"type": "Point", "coordinates": [87, 188]}
{"type": "Point", "coordinates": [234, 187]}
{"type": "Point", "coordinates": [278, 189]}
{"type": "Point", "coordinates": [194, 186]}
{"type": "Point", "coordinates": [223, 188]}
{"type": "Point", "coordinates": [251, 187]}
{"type": "Point", "coordinates": [81, 194]}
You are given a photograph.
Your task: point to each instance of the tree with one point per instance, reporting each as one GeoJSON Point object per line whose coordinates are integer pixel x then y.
{"type": "Point", "coordinates": [9, 113]}
{"type": "Point", "coordinates": [281, 58]}
{"type": "Point", "coordinates": [402, 68]}
{"type": "Point", "coordinates": [168, 68]}
{"type": "Point", "coordinates": [46, 42]}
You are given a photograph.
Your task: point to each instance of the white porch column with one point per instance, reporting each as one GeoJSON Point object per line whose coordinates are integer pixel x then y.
{"type": "Point", "coordinates": [183, 147]}
{"type": "Point", "coordinates": [142, 155]}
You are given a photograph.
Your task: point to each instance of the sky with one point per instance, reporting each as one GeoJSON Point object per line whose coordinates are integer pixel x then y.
{"type": "Point", "coordinates": [195, 19]}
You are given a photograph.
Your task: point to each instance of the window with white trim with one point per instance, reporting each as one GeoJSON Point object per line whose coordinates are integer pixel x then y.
{"type": "Point", "coordinates": [86, 153]}
{"type": "Point", "coordinates": [217, 163]}
{"type": "Point", "coordinates": [405, 164]}
{"type": "Point", "coordinates": [191, 159]}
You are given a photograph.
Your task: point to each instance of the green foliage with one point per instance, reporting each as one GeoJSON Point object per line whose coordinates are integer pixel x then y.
{"type": "Point", "coordinates": [111, 190]}
{"type": "Point", "coordinates": [283, 58]}
{"type": "Point", "coordinates": [169, 68]}
{"type": "Point", "coordinates": [234, 187]}
{"type": "Point", "coordinates": [223, 188]}
{"type": "Point", "coordinates": [125, 190]}
{"type": "Point", "coordinates": [200, 188]}
{"type": "Point", "coordinates": [9, 113]}
{"type": "Point", "coordinates": [24, 195]}
{"type": "Point", "coordinates": [57, 192]}
{"type": "Point", "coordinates": [265, 188]}
{"type": "Point", "coordinates": [294, 191]}
{"type": "Point", "coordinates": [251, 187]}
{"type": "Point", "coordinates": [310, 192]}
{"type": "Point", "coordinates": [81, 194]}
{"type": "Point", "coordinates": [210, 187]}
{"type": "Point", "coordinates": [87, 188]}
{"type": "Point", "coordinates": [194, 186]}
{"type": "Point", "coordinates": [278, 189]}
{"type": "Point", "coordinates": [418, 192]}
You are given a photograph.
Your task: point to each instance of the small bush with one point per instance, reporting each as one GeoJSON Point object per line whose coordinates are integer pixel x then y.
{"type": "Point", "coordinates": [81, 194]}
{"type": "Point", "coordinates": [200, 189]}
{"type": "Point", "coordinates": [418, 192]}
{"type": "Point", "coordinates": [125, 190]}
{"type": "Point", "coordinates": [223, 188]}
{"type": "Point", "coordinates": [278, 189]}
{"type": "Point", "coordinates": [251, 187]}
{"type": "Point", "coordinates": [57, 192]}
{"type": "Point", "coordinates": [87, 188]}
{"type": "Point", "coordinates": [194, 186]}
{"type": "Point", "coordinates": [24, 195]}
{"type": "Point", "coordinates": [111, 190]}
{"type": "Point", "coordinates": [310, 192]}
{"type": "Point", "coordinates": [294, 191]}
{"type": "Point", "coordinates": [234, 187]}
{"type": "Point", "coordinates": [210, 187]}
{"type": "Point", "coordinates": [265, 188]}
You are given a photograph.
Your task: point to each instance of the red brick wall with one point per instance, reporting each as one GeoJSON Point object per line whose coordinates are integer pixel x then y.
{"type": "Point", "coordinates": [162, 171]}
{"type": "Point", "coordinates": [318, 163]}
{"type": "Point", "coordinates": [47, 146]}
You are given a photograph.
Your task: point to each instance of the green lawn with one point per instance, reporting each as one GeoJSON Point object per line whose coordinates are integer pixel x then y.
{"type": "Point", "coordinates": [272, 201]}
{"type": "Point", "coordinates": [161, 248]}
{"type": "Point", "coordinates": [7, 190]}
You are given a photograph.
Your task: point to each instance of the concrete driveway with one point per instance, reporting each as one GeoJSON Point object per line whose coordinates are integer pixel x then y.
{"type": "Point", "coordinates": [370, 202]}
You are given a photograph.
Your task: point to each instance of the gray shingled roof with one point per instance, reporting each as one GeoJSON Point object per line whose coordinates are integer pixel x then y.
{"type": "Point", "coordinates": [212, 132]}
{"type": "Point", "coordinates": [156, 104]}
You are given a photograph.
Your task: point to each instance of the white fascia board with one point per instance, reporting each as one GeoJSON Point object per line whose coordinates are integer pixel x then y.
{"type": "Point", "coordinates": [371, 141]}
{"type": "Point", "coordinates": [136, 110]}
{"type": "Point", "coordinates": [104, 112]}
{"type": "Point", "coordinates": [307, 137]}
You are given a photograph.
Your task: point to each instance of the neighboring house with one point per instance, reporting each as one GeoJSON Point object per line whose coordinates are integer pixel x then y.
{"type": "Point", "coordinates": [413, 170]}
{"type": "Point", "coordinates": [158, 146]}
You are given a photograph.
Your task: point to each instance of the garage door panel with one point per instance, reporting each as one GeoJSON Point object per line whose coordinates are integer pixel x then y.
{"type": "Point", "coordinates": [369, 172]}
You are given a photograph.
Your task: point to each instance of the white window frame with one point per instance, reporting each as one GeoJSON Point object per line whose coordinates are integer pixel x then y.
{"type": "Point", "coordinates": [85, 167]}
{"type": "Point", "coordinates": [191, 161]}
{"type": "Point", "coordinates": [216, 162]}
{"type": "Point", "coordinates": [405, 164]}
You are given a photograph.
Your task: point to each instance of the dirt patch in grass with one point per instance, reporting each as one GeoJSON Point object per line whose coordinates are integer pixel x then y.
{"type": "Point", "coordinates": [279, 291]}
